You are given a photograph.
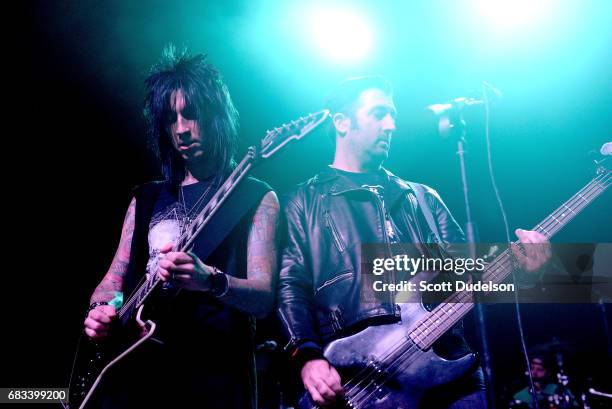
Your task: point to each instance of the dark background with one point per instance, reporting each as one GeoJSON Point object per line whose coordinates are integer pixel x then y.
{"type": "Point", "coordinates": [75, 142]}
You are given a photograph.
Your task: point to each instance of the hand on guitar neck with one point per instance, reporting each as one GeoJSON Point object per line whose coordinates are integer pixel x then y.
{"type": "Point", "coordinates": [536, 250]}
{"type": "Point", "coordinates": [184, 270]}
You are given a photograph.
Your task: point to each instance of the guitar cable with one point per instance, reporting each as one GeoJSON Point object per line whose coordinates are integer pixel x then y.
{"type": "Point", "coordinates": [519, 322]}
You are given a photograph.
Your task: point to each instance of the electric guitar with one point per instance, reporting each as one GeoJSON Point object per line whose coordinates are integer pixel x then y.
{"type": "Point", "coordinates": [394, 364]}
{"type": "Point", "coordinates": [94, 359]}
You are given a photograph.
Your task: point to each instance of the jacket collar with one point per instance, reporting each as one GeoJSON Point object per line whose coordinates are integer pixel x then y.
{"type": "Point", "coordinates": [334, 182]}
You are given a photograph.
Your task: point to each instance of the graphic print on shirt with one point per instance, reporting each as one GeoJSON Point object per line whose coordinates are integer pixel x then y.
{"type": "Point", "coordinates": [165, 227]}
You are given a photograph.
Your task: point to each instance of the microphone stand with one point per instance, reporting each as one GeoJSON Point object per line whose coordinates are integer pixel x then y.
{"type": "Point", "coordinates": [453, 123]}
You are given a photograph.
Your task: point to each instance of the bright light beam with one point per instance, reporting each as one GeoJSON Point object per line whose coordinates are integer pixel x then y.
{"type": "Point", "coordinates": [340, 34]}
{"type": "Point", "coordinates": [507, 14]}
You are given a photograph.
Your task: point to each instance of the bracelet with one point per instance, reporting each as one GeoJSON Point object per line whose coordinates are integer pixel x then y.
{"type": "Point", "coordinates": [94, 305]}
{"type": "Point", "coordinates": [306, 352]}
{"type": "Point", "coordinates": [219, 283]}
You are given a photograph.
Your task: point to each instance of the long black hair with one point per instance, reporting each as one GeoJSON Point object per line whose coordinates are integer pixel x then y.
{"type": "Point", "coordinates": [205, 94]}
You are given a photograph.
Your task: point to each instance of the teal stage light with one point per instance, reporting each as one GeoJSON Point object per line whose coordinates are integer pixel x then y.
{"type": "Point", "coordinates": [506, 14]}
{"type": "Point", "coordinates": [340, 34]}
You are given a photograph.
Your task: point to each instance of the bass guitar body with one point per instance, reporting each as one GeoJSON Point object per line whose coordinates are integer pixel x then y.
{"type": "Point", "coordinates": [388, 369]}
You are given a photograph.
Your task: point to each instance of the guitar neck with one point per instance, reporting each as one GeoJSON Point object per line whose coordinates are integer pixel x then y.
{"type": "Point", "coordinates": [185, 241]}
{"type": "Point", "coordinates": [191, 232]}
{"type": "Point", "coordinates": [456, 306]}
{"type": "Point", "coordinates": [272, 143]}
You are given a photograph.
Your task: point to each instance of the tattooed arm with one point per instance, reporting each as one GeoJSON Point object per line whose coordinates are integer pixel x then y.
{"type": "Point", "coordinates": [254, 294]}
{"type": "Point", "coordinates": [110, 288]}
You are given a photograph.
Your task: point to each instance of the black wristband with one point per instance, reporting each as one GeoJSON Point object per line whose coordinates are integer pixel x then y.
{"type": "Point", "coordinates": [305, 353]}
{"type": "Point", "coordinates": [94, 305]}
{"type": "Point", "coordinates": [219, 284]}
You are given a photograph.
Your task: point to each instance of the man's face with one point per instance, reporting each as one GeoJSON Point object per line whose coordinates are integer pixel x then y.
{"type": "Point", "coordinates": [538, 371]}
{"type": "Point", "coordinates": [373, 124]}
{"type": "Point", "coordinates": [184, 127]}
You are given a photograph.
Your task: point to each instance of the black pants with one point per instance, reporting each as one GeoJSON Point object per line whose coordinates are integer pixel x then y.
{"type": "Point", "coordinates": [175, 380]}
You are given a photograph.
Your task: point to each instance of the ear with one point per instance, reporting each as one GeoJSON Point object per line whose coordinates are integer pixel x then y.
{"type": "Point", "coordinates": [342, 123]}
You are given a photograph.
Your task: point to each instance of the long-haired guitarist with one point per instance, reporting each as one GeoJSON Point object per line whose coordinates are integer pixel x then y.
{"type": "Point", "coordinates": [354, 201]}
{"type": "Point", "coordinates": [205, 356]}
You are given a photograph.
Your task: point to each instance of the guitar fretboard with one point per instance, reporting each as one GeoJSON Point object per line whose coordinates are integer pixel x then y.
{"type": "Point", "coordinates": [447, 314]}
{"type": "Point", "coordinates": [274, 140]}
{"type": "Point", "coordinates": [151, 281]}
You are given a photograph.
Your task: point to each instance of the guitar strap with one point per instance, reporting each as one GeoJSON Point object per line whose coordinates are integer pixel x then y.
{"type": "Point", "coordinates": [243, 198]}
{"type": "Point", "coordinates": [419, 192]}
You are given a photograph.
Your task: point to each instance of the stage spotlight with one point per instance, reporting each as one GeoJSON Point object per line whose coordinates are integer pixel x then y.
{"type": "Point", "coordinates": [512, 13]}
{"type": "Point", "coordinates": [340, 34]}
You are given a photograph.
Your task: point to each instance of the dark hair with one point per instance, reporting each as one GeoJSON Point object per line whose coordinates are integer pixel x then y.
{"type": "Point", "coordinates": [544, 360]}
{"type": "Point", "coordinates": [206, 94]}
{"type": "Point", "coordinates": [345, 96]}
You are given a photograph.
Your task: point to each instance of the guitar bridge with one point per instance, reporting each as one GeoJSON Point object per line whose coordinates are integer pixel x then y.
{"type": "Point", "coordinates": [379, 378]}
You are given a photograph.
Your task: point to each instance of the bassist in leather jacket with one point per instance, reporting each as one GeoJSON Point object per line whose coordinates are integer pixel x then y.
{"type": "Point", "coordinates": [354, 201]}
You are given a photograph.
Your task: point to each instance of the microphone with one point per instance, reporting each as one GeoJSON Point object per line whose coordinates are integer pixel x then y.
{"type": "Point", "coordinates": [458, 104]}
{"type": "Point", "coordinates": [606, 149]}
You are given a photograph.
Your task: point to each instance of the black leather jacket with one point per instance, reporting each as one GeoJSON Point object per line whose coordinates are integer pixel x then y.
{"type": "Point", "coordinates": [327, 219]}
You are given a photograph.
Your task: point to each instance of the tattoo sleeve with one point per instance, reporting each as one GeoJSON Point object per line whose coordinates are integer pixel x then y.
{"type": "Point", "coordinates": [255, 294]}
{"type": "Point", "coordinates": [110, 288]}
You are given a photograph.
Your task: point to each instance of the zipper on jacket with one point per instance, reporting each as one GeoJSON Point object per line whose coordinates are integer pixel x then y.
{"type": "Point", "coordinates": [381, 214]}
{"type": "Point", "coordinates": [336, 321]}
{"type": "Point", "coordinates": [333, 280]}
{"type": "Point", "coordinates": [383, 218]}
{"type": "Point", "coordinates": [292, 339]}
{"type": "Point", "coordinates": [334, 232]}
{"type": "Point", "coordinates": [381, 211]}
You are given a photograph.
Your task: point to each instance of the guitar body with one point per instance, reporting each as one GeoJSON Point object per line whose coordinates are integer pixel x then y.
{"type": "Point", "coordinates": [95, 359]}
{"type": "Point", "coordinates": [404, 384]}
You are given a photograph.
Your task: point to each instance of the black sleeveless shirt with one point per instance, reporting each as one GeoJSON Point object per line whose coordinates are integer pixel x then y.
{"type": "Point", "coordinates": [209, 343]}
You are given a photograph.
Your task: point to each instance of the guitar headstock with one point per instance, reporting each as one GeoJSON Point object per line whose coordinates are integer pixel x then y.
{"type": "Point", "coordinates": [276, 138]}
{"type": "Point", "coordinates": [605, 152]}
{"type": "Point", "coordinates": [604, 175]}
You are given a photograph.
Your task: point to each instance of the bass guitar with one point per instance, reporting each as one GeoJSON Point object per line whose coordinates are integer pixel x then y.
{"type": "Point", "coordinates": [394, 364]}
